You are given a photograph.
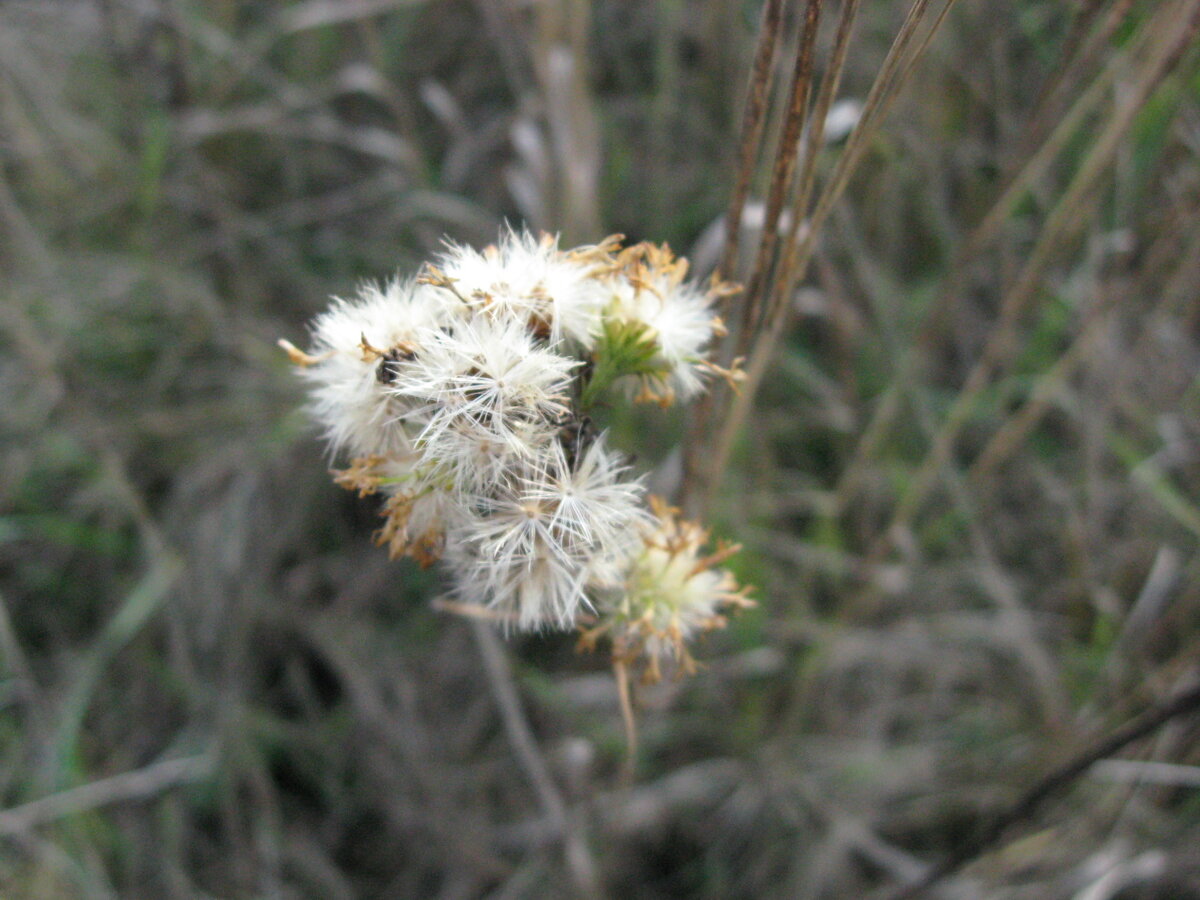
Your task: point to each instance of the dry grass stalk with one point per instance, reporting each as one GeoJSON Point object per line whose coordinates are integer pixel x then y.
{"type": "Point", "coordinates": [1066, 217]}
{"type": "Point", "coordinates": [782, 172]}
{"type": "Point", "coordinates": [137, 785]}
{"type": "Point", "coordinates": [750, 147]}
{"type": "Point", "coordinates": [753, 121]}
{"type": "Point", "coordinates": [789, 272]}
{"type": "Point", "coordinates": [1034, 165]}
{"type": "Point", "coordinates": [712, 440]}
{"type": "Point", "coordinates": [578, 856]}
{"type": "Point", "coordinates": [628, 720]}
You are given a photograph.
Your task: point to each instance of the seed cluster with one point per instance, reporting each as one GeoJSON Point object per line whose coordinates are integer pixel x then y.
{"type": "Point", "coordinates": [465, 397]}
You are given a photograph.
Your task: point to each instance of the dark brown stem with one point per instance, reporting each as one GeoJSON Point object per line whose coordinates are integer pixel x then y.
{"type": "Point", "coordinates": [727, 421]}
{"type": "Point", "coordinates": [1052, 783]}
{"type": "Point", "coordinates": [753, 120]}
{"type": "Point", "coordinates": [783, 171]}
{"type": "Point", "coordinates": [787, 274]}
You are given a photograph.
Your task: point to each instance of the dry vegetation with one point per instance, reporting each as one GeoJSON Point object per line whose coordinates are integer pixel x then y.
{"type": "Point", "coordinates": [970, 494]}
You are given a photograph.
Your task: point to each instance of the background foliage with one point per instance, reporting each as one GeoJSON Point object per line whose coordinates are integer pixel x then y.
{"type": "Point", "coordinates": [212, 684]}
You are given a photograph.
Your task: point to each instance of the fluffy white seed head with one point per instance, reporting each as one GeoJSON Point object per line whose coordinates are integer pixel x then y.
{"type": "Point", "coordinates": [463, 397]}
{"type": "Point", "coordinates": [596, 506]}
{"type": "Point", "coordinates": [535, 545]}
{"type": "Point", "coordinates": [489, 391]}
{"type": "Point", "coordinates": [672, 592]}
{"type": "Point", "coordinates": [357, 345]}
{"type": "Point", "coordinates": [532, 590]}
{"type": "Point", "coordinates": [555, 295]}
{"type": "Point", "coordinates": [650, 291]}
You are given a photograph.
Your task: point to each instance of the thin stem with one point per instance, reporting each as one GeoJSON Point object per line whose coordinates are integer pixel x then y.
{"type": "Point", "coordinates": [472, 611]}
{"type": "Point", "coordinates": [787, 276]}
{"type": "Point", "coordinates": [139, 784]}
{"type": "Point", "coordinates": [700, 479]}
{"type": "Point", "coordinates": [625, 697]}
{"type": "Point", "coordinates": [783, 171]}
{"type": "Point", "coordinates": [896, 69]}
{"type": "Point", "coordinates": [520, 735]}
{"type": "Point", "coordinates": [753, 121]}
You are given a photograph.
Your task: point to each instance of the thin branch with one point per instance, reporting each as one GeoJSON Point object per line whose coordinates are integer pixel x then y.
{"type": "Point", "coordinates": [627, 718]}
{"type": "Point", "coordinates": [698, 479]}
{"type": "Point", "coordinates": [472, 611]}
{"type": "Point", "coordinates": [128, 786]}
{"type": "Point", "coordinates": [787, 274]}
{"type": "Point", "coordinates": [1052, 783]}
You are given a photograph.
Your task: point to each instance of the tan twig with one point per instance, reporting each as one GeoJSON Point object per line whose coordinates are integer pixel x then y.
{"type": "Point", "coordinates": [128, 786]}
{"type": "Point", "coordinates": [788, 272]}
{"type": "Point", "coordinates": [471, 611]}
{"type": "Point", "coordinates": [297, 356]}
{"type": "Point", "coordinates": [699, 478]}
{"type": "Point", "coordinates": [897, 67]}
{"type": "Point", "coordinates": [520, 735]}
{"type": "Point", "coordinates": [624, 696]}
{"type": "Point", "coordinates": [782, 175]}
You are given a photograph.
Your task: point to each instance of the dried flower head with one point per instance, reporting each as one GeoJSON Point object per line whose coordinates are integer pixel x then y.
{"type": "Point", "coordinates": [484, 382]}
{"type": "Point", "coordinates": [673, 591]}
{"type": "Point", "coordinates": [358, 347]}
{"type": "Point", "coordinates": [554, 294]}
{"type": "Point", "coordinates": [649, 291]}
{"type": "Point", "coordinates": [464, 398]}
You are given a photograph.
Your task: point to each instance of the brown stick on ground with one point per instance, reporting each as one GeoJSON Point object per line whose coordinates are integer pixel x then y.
{"type": "Point", "coordinates": [1052, 783]}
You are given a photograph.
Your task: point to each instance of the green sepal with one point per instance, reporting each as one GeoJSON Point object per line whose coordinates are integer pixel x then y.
{"type": "Point", "coordinates": [624, 348]}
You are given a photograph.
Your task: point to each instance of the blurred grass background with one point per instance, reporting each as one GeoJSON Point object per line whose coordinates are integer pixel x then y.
{"type": "Point", "coordinates": [213, 685]}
